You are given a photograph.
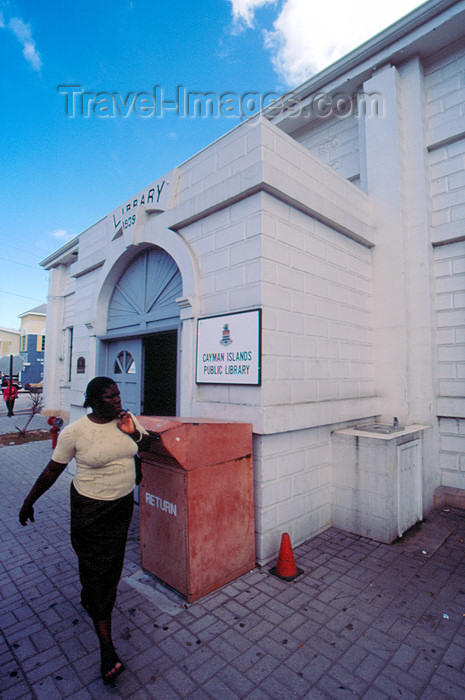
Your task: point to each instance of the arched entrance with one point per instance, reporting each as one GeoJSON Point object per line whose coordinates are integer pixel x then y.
{"type": "Point", "coordinates": [140, 348]}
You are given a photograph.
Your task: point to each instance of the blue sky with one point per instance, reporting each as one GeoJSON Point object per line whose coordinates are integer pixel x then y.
{"type": "Point", "coordinates": [59, 172]}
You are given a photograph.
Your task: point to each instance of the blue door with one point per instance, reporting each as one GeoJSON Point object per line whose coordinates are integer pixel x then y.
{"type": "Point", "coordinates": [143, 305]}
{"type": "Point", "coordinates": [124, 360]}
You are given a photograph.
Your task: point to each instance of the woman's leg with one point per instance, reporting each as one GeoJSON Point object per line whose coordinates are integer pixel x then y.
{"type": "Point", "coordinates": [110, 665]}
{"type": "Point", "coordinates": [98, 536]}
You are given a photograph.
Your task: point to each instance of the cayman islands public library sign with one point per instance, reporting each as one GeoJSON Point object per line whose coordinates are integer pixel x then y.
{"type": "Point", "coordinates": [228, 348]}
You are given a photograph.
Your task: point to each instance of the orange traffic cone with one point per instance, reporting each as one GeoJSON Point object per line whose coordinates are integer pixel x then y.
{"type": "Point", "coordinates": [286, 568]}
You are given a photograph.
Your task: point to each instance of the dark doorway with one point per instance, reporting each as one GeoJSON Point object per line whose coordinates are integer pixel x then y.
{"type": "Point", "coordinates": [160, 374]}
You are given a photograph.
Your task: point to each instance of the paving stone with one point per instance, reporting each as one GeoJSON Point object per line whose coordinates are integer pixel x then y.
{"type": "Point", "coordinates": [279, 649]}
{"type": "Point", "coordinates": [348, 680]}
{"type": "Point", "coordinates": [46, 690]}
{"type": "Point", "coordinates": [314, 669]}
{"type": "Point", "coordinates": [236, 640]}
{"type": "Point", "coordinates": [207, 669]}
{"type": "Point", "coordinates": [354, 656]}
{"type": "Point", "coordinates": [180, 681]}
{"type": "Point", "coordinates": [264, 666]}
{"type": "Point", "coordinates": [452, 675]}
{"type": "Point", "coordinates": [217, 689]}
{"type": "Point", "coordinates": [404, 657]}
{"type": "Point", "coordinates": [258, 694]}
{"type": "Point", "coordinates": [12, 674]}
{"type": "Point", "coordinates": [399, 682]}
{"type": "Point", "coordinates": [380, 644]}
{"type": "Point", "coordinates": [225, 650]}
{"type": "Point", "coordinates": [275, 689]}
{"type": "Point", "coordinates": [365, 619]}
{"type": "Point", "coordinates": [19, 691]}
{"type": "Point", "coordinates": [236, 681]}
{"type": "Point", "coordinates": [248, 659]}
{"type": "Point", "coordinates": [370, 668]}
{"type": "Point", "coordinates": [375, 694]}
{"type": "Point", "coordinates": [440, 687]}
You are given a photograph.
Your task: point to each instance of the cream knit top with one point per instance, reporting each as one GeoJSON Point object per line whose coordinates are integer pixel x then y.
{"type": "Point", "coordinates": [104, 457]}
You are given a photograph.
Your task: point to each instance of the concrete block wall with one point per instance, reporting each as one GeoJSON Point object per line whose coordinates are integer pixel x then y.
{"type": "Point", "coordinates": [223, 170]}
{"type": "Point", "coordinates": [228, 247]}
{"type": "Point", "coordinates": [67, 322]}
{"type": "Point", "coordinates": [317, 337]}
{"type": "Point", "coordinates": [292, 476]}
{"type": "Point", "coordinates": [450, 305]}
{"type": "Point", "coordinates": [336, 142]}
{"type": "Point", "coordinates": [93, 246]}
{"type": "Point", "coordinates": [452, 455]}
{"type": "Point", "coordinates": [294, 170]}
{"type": "Point", "coordinates": [78, 302]}
{"type": "Point", "coordinates": [447, 166]}
{"type": "Point", "coordinates": [87, 288]}
{"type": "Point", "coordinates": [445, 86]}
{"type": "Point", "coordinates": [445, 137]}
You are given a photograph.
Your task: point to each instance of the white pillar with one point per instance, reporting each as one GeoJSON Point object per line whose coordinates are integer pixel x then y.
{"type": "Point", "coordinates": [397, 182]}
{"type": "Point", "coordinates": [53, 361]}
{"type": "Point", "coordinates": [386, 187]}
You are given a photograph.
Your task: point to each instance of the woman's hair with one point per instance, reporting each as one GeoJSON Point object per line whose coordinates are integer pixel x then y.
{"type": "Point", "coordinates": [95, 389]}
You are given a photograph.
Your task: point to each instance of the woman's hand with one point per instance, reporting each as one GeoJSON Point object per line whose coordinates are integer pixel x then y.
{"type": "Point", "coordinates": [26, 513]}
{"type": "Point", "coordinates": [126, 424]}
{"type": "Point", "coordinates": [44, 481]}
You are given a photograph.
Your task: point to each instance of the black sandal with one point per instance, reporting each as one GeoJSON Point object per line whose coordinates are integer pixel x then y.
{"type": "Point", "coordinates": [108, 668]}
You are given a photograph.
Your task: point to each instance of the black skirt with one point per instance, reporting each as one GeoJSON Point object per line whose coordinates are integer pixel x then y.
{"type": "Point", "coordinates": [99, 531]}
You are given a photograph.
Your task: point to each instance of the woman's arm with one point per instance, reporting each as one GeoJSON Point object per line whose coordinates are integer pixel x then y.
{"type": "Point", "coordinates": [48, 477]}
{"type": "Point", "coordinates": [143, 441]}
{"type": "Point", "coordinates": [127, 425]}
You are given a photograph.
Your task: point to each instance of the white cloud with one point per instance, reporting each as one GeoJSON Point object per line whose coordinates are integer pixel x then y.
{"type": "Point", "coordinates": [308, 36]}
{"type": "Point", "coordinates": [61, 234]}
{"type": "Point", "coordinates": [243, 11]}
{"type": "Point", "coordinates": [22, 32]}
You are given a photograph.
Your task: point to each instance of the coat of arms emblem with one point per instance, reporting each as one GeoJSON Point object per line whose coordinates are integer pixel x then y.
{"type": "Point", "coordinates": [226, 335]}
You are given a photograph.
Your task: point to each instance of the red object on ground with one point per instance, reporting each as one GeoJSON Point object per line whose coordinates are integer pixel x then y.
{"type": "Point", "coordinates": [286, 567]}
{"type": "Point", "coordinates": [196, 503]}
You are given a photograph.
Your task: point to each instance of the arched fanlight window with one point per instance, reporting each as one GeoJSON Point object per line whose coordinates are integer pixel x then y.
{"type": "Point", "coordinates": [124, 363]}
{"type": "Point", "coordinates": [146, 293]}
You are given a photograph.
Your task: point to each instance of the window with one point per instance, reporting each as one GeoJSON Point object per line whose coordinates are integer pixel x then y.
{"type": "Point", "coordinates": [40, 343]}
{"type": "Point", "coordinates": [124, 363]}
{"type": "Point", "coordinates": [23, 346]}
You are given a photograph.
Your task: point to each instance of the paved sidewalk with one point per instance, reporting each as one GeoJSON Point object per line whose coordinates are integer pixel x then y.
{"type": "Point", "coordinates": [21, 416]}
{"type": "Point", "coordinates": [365, 620]}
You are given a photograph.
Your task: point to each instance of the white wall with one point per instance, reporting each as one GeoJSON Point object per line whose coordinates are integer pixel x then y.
{"type": "Point", "coordinates": [450, 295]}
{"type": "Point", "coordinates": [335, 140]}
{"type": "Point", "coordinates": [445, 110]}
{"type": "Point", "coordinates": [292, 482]}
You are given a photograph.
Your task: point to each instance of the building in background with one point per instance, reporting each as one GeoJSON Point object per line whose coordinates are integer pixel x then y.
{"type": "Point", "coordinates": [9, 342]}
{"type": "Point", "coordinates": [304, 273]}
{"type": "Point", "coordinates": [32, 344]}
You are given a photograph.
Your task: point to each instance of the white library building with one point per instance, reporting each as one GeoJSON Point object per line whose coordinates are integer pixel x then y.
{"type": "Point", "coordinates": [305, 273]}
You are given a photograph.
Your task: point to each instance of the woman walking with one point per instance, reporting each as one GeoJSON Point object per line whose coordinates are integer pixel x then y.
{"type": "Point", "coordinates": [104, 444]}
{"type": "Point", "coordinates": [10, 394]}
